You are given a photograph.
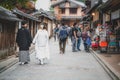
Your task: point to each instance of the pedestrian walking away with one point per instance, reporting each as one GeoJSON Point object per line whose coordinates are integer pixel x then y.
{"type": "Point", "coordinates": [41, 40]}
{"type": "Point", "coordinates": [24, 41]}
{"type": "Point", "coordinates": [79, 37]}
{"type": "Point", "coordinates": [62, 38]}
{"type": "Point", "coordinates": [74, 37]}
{"type": "Point", "coordinates": [86, 39]}
{"type": "Point", "coordinates": [55, 33]}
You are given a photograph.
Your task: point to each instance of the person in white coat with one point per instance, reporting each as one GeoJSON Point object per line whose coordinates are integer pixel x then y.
{"type": "Point", "coordinates": [41, 40]}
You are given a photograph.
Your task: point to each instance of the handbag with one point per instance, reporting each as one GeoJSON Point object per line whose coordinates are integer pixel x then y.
{"type": "Point", "coordinates": [88, 41]}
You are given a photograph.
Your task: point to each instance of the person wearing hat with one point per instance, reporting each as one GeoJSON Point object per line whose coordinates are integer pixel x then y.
{"type": "Point", "coordinates": [24, 41]}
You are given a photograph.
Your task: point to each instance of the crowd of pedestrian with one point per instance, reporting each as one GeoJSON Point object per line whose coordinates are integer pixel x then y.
{"type": "Point", "coordinates": [103, 37]}
{"type": "Point", "coordinates": [77, 34]}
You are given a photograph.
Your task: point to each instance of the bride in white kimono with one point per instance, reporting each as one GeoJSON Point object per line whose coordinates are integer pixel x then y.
{"type": "Point", "coordinates": [41, 44]}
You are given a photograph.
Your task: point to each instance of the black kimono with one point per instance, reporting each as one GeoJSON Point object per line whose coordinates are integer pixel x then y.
{"type": "Point", "coordinates": [24, 40]}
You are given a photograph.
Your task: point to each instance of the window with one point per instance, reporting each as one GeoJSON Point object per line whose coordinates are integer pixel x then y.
{"type": "Point", "coordinates": [63, 11]}
{"type": "Point", "coordinates": [0, 27]}
{"type": "Point", "coordinates": [73, 10]}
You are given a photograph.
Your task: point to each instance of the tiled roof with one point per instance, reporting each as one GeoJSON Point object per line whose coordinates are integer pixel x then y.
{"type": "Point", "coordinates": [73, 1]}
{"type": "Point", "coordinates": [78, 3]}
{"type": "Point", "coordinates": [16, 11]}
{"type": "Point", "coordinates": [7, 15]}
{"type": "Point", "coordinates": [43, 13]}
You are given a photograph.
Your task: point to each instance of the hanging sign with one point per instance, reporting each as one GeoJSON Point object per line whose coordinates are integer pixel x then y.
{"type": "Point", "coordinates": [115, 14]}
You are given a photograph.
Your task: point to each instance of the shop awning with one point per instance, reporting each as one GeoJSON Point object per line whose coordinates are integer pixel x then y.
{"type": "Point", "coordinates": [93, 8]}
{"type": "Point", "coordinates": [111, 5]}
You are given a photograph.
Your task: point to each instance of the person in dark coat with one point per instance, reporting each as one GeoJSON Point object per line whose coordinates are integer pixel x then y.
{"type": "Point", "coordinates": [24, 41]}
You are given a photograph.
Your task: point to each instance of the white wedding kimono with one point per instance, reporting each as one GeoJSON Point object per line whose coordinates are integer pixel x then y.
{"type": "Point", "coordinates": [41, 44]}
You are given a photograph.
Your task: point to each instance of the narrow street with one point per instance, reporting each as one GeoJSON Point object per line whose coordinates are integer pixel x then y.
{"type": "Point", "coordinates": [68, 66]}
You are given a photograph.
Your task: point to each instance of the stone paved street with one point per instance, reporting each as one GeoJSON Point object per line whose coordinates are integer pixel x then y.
{"type": "Point", "coordinates": [68, 66]}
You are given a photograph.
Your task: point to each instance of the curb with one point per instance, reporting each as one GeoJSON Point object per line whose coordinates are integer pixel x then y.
{"type": "Point", "coordinates": [2, 69]}
{"type": "Point", "coordinates": [110, 71]}
{"type": "Point", "coordinates": [11, 63]}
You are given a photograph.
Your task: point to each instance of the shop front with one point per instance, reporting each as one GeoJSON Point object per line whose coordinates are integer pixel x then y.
{"type": "Point", "coordinates": [114, 37]}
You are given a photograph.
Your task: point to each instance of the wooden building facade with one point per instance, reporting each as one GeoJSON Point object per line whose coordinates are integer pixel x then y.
{"type": "Point", "coordinates": [68, 11]}
{"type": "Point", "coordinates": [8, 25]}
{"type": "Point", "coordinates": [10, 22]}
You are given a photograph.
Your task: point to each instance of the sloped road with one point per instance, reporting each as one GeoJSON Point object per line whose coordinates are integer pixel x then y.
{"type": "Point", "coordinates": [68, 66]}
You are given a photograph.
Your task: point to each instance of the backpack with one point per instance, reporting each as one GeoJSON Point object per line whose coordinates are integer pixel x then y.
{"type": "Point", "coordinates": [78, 33]}
{"type": "Point", "coordinates": [63, 34]}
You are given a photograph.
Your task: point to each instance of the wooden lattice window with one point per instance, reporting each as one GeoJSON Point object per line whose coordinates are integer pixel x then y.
{"type": "Point", "coordinates": [73, 10]}
{"type": "Point", "coordinates": [63, 11]}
